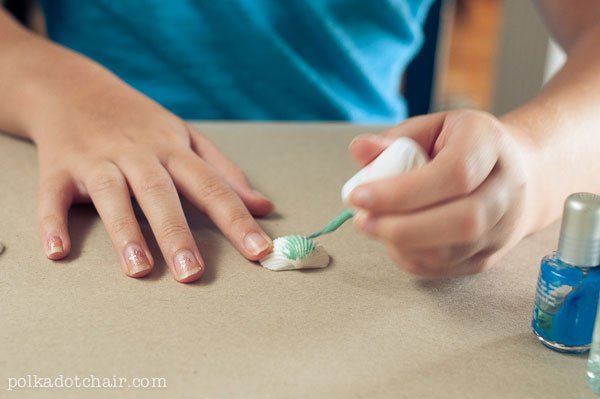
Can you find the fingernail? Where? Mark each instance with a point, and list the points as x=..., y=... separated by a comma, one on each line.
x=137, y=261
x=186, y=264
x=362, y=137
x=256, y=244
x=361, y=197
x=55, y=245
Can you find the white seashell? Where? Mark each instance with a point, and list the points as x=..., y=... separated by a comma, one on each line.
x=295, y=252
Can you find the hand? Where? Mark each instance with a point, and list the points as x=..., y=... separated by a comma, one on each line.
x=101, y=141
x=463, y=210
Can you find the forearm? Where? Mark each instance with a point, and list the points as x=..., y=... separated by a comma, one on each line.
x=40, y=80
x=26, y=60
x=561, y=127
x=16, y=46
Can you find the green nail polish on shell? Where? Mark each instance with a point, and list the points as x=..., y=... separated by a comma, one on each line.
x=298, y=247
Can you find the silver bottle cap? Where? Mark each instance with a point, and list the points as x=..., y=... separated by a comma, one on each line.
x=579, y=242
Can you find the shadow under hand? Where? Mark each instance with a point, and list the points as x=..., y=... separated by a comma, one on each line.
x=209, y=239
x=160, y=266
x=272, y=216
x=81, y=219
x=207, y=236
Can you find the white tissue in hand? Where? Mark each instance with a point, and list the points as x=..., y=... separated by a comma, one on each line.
x=295, y=252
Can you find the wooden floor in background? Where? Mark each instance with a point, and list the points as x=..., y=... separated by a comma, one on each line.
x=469, y=78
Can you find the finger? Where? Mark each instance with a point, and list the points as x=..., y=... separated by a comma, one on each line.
x=423, y=129
x=422, y=266
x=477, y=263
x=256, y=202
x=366, y=147
x=459, y=168
x=54, y=198
x=426, y=265
x=463, y=221
x=197, y=181
x=156, y=194
x=108, y=191
x=436, y=259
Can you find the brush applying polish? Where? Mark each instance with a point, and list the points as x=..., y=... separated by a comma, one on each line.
x=300, y=252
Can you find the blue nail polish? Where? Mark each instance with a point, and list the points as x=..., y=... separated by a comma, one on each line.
x=569, y=281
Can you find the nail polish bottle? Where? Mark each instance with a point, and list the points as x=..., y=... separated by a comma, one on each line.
x=569, y=281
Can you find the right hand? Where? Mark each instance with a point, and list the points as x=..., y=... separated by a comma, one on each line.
x=101, y=141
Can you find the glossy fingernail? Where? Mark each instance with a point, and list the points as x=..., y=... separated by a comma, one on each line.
x=55, y=246
x=256, y=244
x=137, y=261
x=361, y=197
x=186, y=264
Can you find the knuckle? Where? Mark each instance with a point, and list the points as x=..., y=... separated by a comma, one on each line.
x=472, y=117
x=420, y=268
x=213, y=189
x=239, y=217
x=171, y=153
x=174, y=138
x=461, y=178
x=521, y=183
x=487, y=117
x=432, y=259
x=155, y=182
x=174, y=230
x=480, y=265
x=472, y=223
x=103, y=182
x=408, y=263
x=121, y=225
x=471, y=114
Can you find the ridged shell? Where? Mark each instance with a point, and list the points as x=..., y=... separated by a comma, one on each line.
x=295, y=252
x=297, y=247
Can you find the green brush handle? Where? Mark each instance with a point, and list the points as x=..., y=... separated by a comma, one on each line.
x=335, y=223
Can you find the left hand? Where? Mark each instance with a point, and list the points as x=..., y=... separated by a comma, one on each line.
x=460, y=212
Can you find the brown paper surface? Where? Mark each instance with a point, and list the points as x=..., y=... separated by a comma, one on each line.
x=360, y=328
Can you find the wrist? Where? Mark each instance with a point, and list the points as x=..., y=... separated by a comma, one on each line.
x=48, y=83
x=28, y=85
x=529, y=153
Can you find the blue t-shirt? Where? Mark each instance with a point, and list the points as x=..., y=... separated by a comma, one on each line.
x=252, y=59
